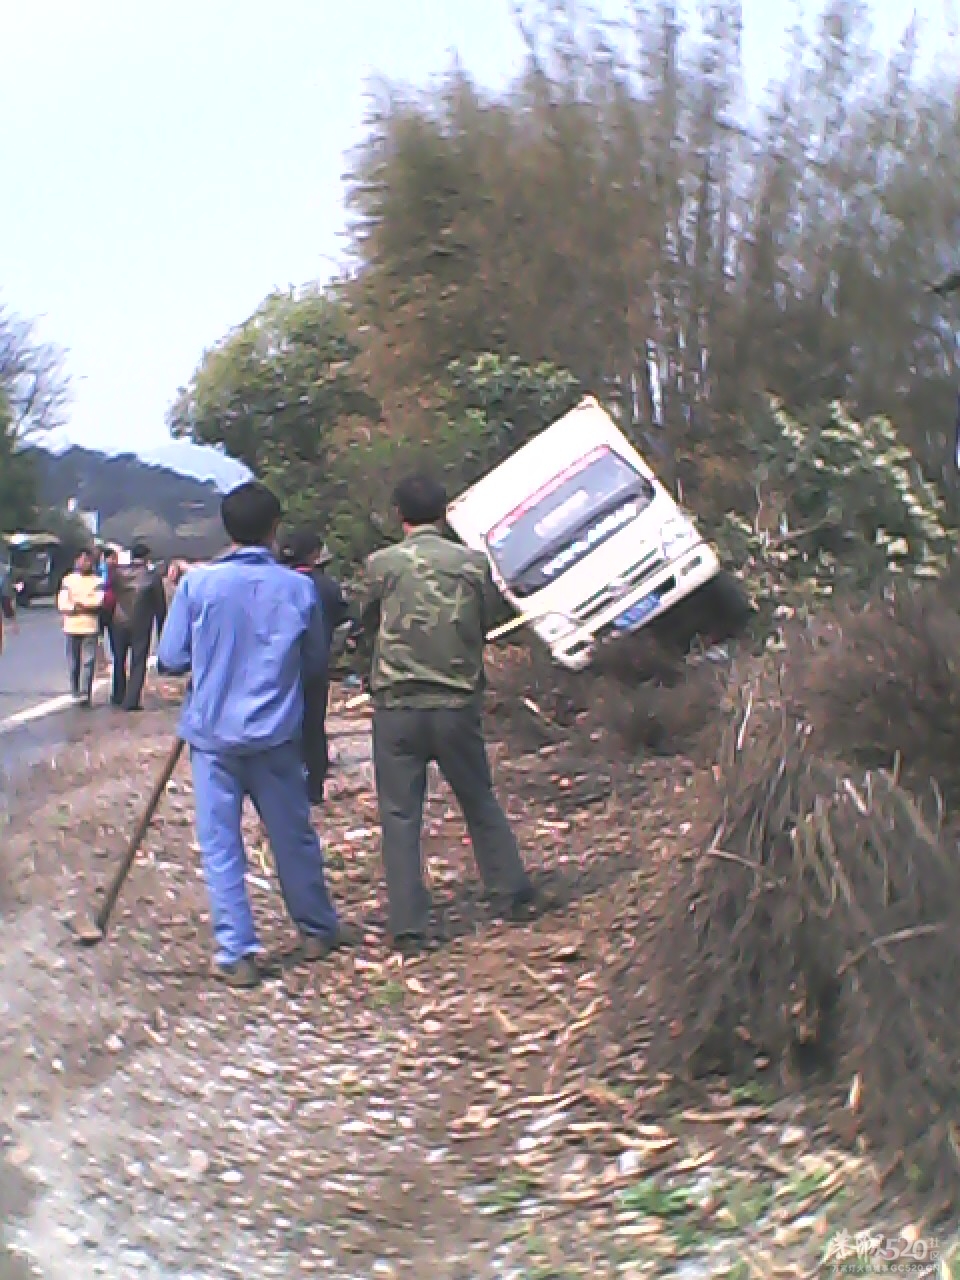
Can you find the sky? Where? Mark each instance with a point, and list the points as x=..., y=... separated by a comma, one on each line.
x=165, y=165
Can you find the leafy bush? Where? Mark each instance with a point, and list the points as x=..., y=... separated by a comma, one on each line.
x=840, y=504
x=497, y=403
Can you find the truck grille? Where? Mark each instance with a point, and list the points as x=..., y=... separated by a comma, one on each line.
x=650, y=563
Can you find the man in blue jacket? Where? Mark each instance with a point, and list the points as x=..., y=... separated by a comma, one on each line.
x=251, y=634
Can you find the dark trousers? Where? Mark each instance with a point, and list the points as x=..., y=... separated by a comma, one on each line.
x=404, y=743
x=81, y=661
x=131, y=647
x=316, y=752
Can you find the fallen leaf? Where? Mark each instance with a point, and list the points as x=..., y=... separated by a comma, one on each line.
x=855, y=1094
x=506, y=1025
x=792, y=1136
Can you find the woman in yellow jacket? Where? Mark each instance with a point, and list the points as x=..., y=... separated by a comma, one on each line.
x=80, y=600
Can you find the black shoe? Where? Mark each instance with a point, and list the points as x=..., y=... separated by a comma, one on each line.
x=412, y=944
x=243, y=974
x=524, y=905
x=317, y=946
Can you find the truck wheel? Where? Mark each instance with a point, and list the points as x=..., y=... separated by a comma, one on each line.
x=726, y=606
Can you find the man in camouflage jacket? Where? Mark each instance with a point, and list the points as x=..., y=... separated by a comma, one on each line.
x=426, y=603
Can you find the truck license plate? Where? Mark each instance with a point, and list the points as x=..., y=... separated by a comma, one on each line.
x=638, y=613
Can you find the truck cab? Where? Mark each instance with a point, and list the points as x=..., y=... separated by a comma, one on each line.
x=582, y=538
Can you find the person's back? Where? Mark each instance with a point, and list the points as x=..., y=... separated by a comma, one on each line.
x=332, y=600
x=140, y=598
x=139, y=602
x=248, y=618
x=8, y=610
x=6, y=591
x=434, y=598
x=303, y=553
x=249, y=633
x=427, y=602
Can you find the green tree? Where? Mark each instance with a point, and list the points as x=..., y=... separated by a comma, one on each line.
x=18, y=493
x=494, y=405
x=281, y=393
x=33, y=392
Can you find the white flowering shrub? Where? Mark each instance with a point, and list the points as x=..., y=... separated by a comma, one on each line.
x=840, y=503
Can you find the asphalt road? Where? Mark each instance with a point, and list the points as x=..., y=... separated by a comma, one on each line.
x=32, y=670
x=33, y=665
x=36, y=714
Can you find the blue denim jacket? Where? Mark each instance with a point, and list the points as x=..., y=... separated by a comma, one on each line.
x=249, y=632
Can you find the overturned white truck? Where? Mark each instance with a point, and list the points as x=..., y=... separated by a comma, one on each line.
x=584, y=541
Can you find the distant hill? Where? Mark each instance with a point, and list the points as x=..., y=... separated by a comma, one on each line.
x=177, y=514
x=199, y=461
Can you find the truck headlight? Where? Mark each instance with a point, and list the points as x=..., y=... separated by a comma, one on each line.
x=554, y=626
x=676, y=536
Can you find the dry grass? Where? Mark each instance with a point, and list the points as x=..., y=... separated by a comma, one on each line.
x=884, y=691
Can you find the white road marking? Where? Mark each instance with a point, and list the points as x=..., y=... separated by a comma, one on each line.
x=51, y=706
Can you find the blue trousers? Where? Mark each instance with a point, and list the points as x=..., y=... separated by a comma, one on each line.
x=275, y=783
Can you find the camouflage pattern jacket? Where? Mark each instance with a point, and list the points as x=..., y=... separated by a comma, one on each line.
x=426, y=604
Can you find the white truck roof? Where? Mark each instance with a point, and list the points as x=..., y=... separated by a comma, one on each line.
x=478, y=508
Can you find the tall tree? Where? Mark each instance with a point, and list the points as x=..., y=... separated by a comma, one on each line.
x=614, y=198
x=619, y=209
x=31, y=377
x=280, y=393
x=18, y=492
x=33, y=391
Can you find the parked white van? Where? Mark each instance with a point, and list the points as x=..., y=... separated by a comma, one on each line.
x=583, y=539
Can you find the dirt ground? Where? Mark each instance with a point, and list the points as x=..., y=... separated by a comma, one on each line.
x=469, y=1114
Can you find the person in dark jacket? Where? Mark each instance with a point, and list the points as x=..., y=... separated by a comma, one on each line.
x=8, y=608
x=139, y=602
x=305, y=552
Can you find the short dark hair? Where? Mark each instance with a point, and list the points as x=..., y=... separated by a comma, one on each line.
x=420, y=498
x=250, y=513
x=140, y=551
x=300, y=545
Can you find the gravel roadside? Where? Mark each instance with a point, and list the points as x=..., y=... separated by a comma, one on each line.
x=463, y=1116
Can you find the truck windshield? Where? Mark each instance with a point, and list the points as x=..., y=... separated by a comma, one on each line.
x=32, y=560
x=567, y=518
